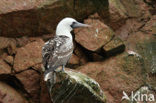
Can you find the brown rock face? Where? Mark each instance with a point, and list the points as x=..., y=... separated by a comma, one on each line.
x=31, y=80
x=115, y=46
x=9, y=59
x=10, y=95
x=4, y=67
x=28, y=55
x=94, y=37
x=123, y=60
x=38, y=17
x=150, y=26
x=6, y=42
x=117, y=74
x=74, y=60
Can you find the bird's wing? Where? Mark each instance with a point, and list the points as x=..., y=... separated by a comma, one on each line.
x=51, y=49
x=47, y=51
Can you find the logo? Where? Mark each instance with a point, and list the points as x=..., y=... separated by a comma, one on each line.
x=138, y=96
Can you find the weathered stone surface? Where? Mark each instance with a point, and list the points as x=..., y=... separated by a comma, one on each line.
x=72, y=87
x=117, y=14
x=4, y=67
x=73, y=62
x=6, y=42
x=120, y=11
x=74, y=59
x=37, y=17
x=31, y=81
x=9, y=59
x=130, y=26
x=28, y=55
x=128, y=8
x=116, y=45
x=150, y=26
x=94, y=37
x=10, y=95
x=117, y=74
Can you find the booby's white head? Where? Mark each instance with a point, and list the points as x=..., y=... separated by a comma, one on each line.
x=66, y=25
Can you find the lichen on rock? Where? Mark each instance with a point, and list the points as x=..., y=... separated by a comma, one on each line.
x=75, y=87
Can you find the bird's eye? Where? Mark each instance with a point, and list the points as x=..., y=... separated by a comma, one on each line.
x=73, y=23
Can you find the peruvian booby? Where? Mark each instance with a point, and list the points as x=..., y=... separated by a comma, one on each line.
x=57, y=51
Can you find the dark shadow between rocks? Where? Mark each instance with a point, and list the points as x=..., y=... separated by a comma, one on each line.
x=15, y=83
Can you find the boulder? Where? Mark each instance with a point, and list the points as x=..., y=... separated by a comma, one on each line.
x=4, y=67
x=28, y=55
x=9, y=60
x=74, y=87
x=120, y=11
x=37, y=17
x=94, y=37
x=6, y=42
x=130, y=26
x=10, y=95
x=117, y=74
x=31, y=82
x=74, y=59
x=73, y=62
x=113, y=47
x=150, y=26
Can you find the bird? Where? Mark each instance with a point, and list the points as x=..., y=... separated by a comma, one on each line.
x=57, y=51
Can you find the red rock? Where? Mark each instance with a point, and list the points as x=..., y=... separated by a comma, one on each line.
x=113, y=47
x=4, y=67
x=120, y=11
x=38, y=17
x=10, y=95
x=115, y=75
x=31, y=81
x=38, y=67
x=94, y=37
x=9, y=59
x=116, y=14
x=6, y=42
x=22, y=41
x=150, y=26
x=28, y=55
x=74, y=59
x=131, y=26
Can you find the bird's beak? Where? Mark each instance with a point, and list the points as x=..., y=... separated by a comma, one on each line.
x=77, y=25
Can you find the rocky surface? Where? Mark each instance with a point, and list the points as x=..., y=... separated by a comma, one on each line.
x=72, y=87
x=30, y=80
x=97, y=35
x=4, y=67
x=118, y=50
x=28, y=55
x=38, y=17
x=10, y=95
x=117, y=74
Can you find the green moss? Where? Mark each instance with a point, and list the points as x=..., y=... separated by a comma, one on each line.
x=71, y=86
